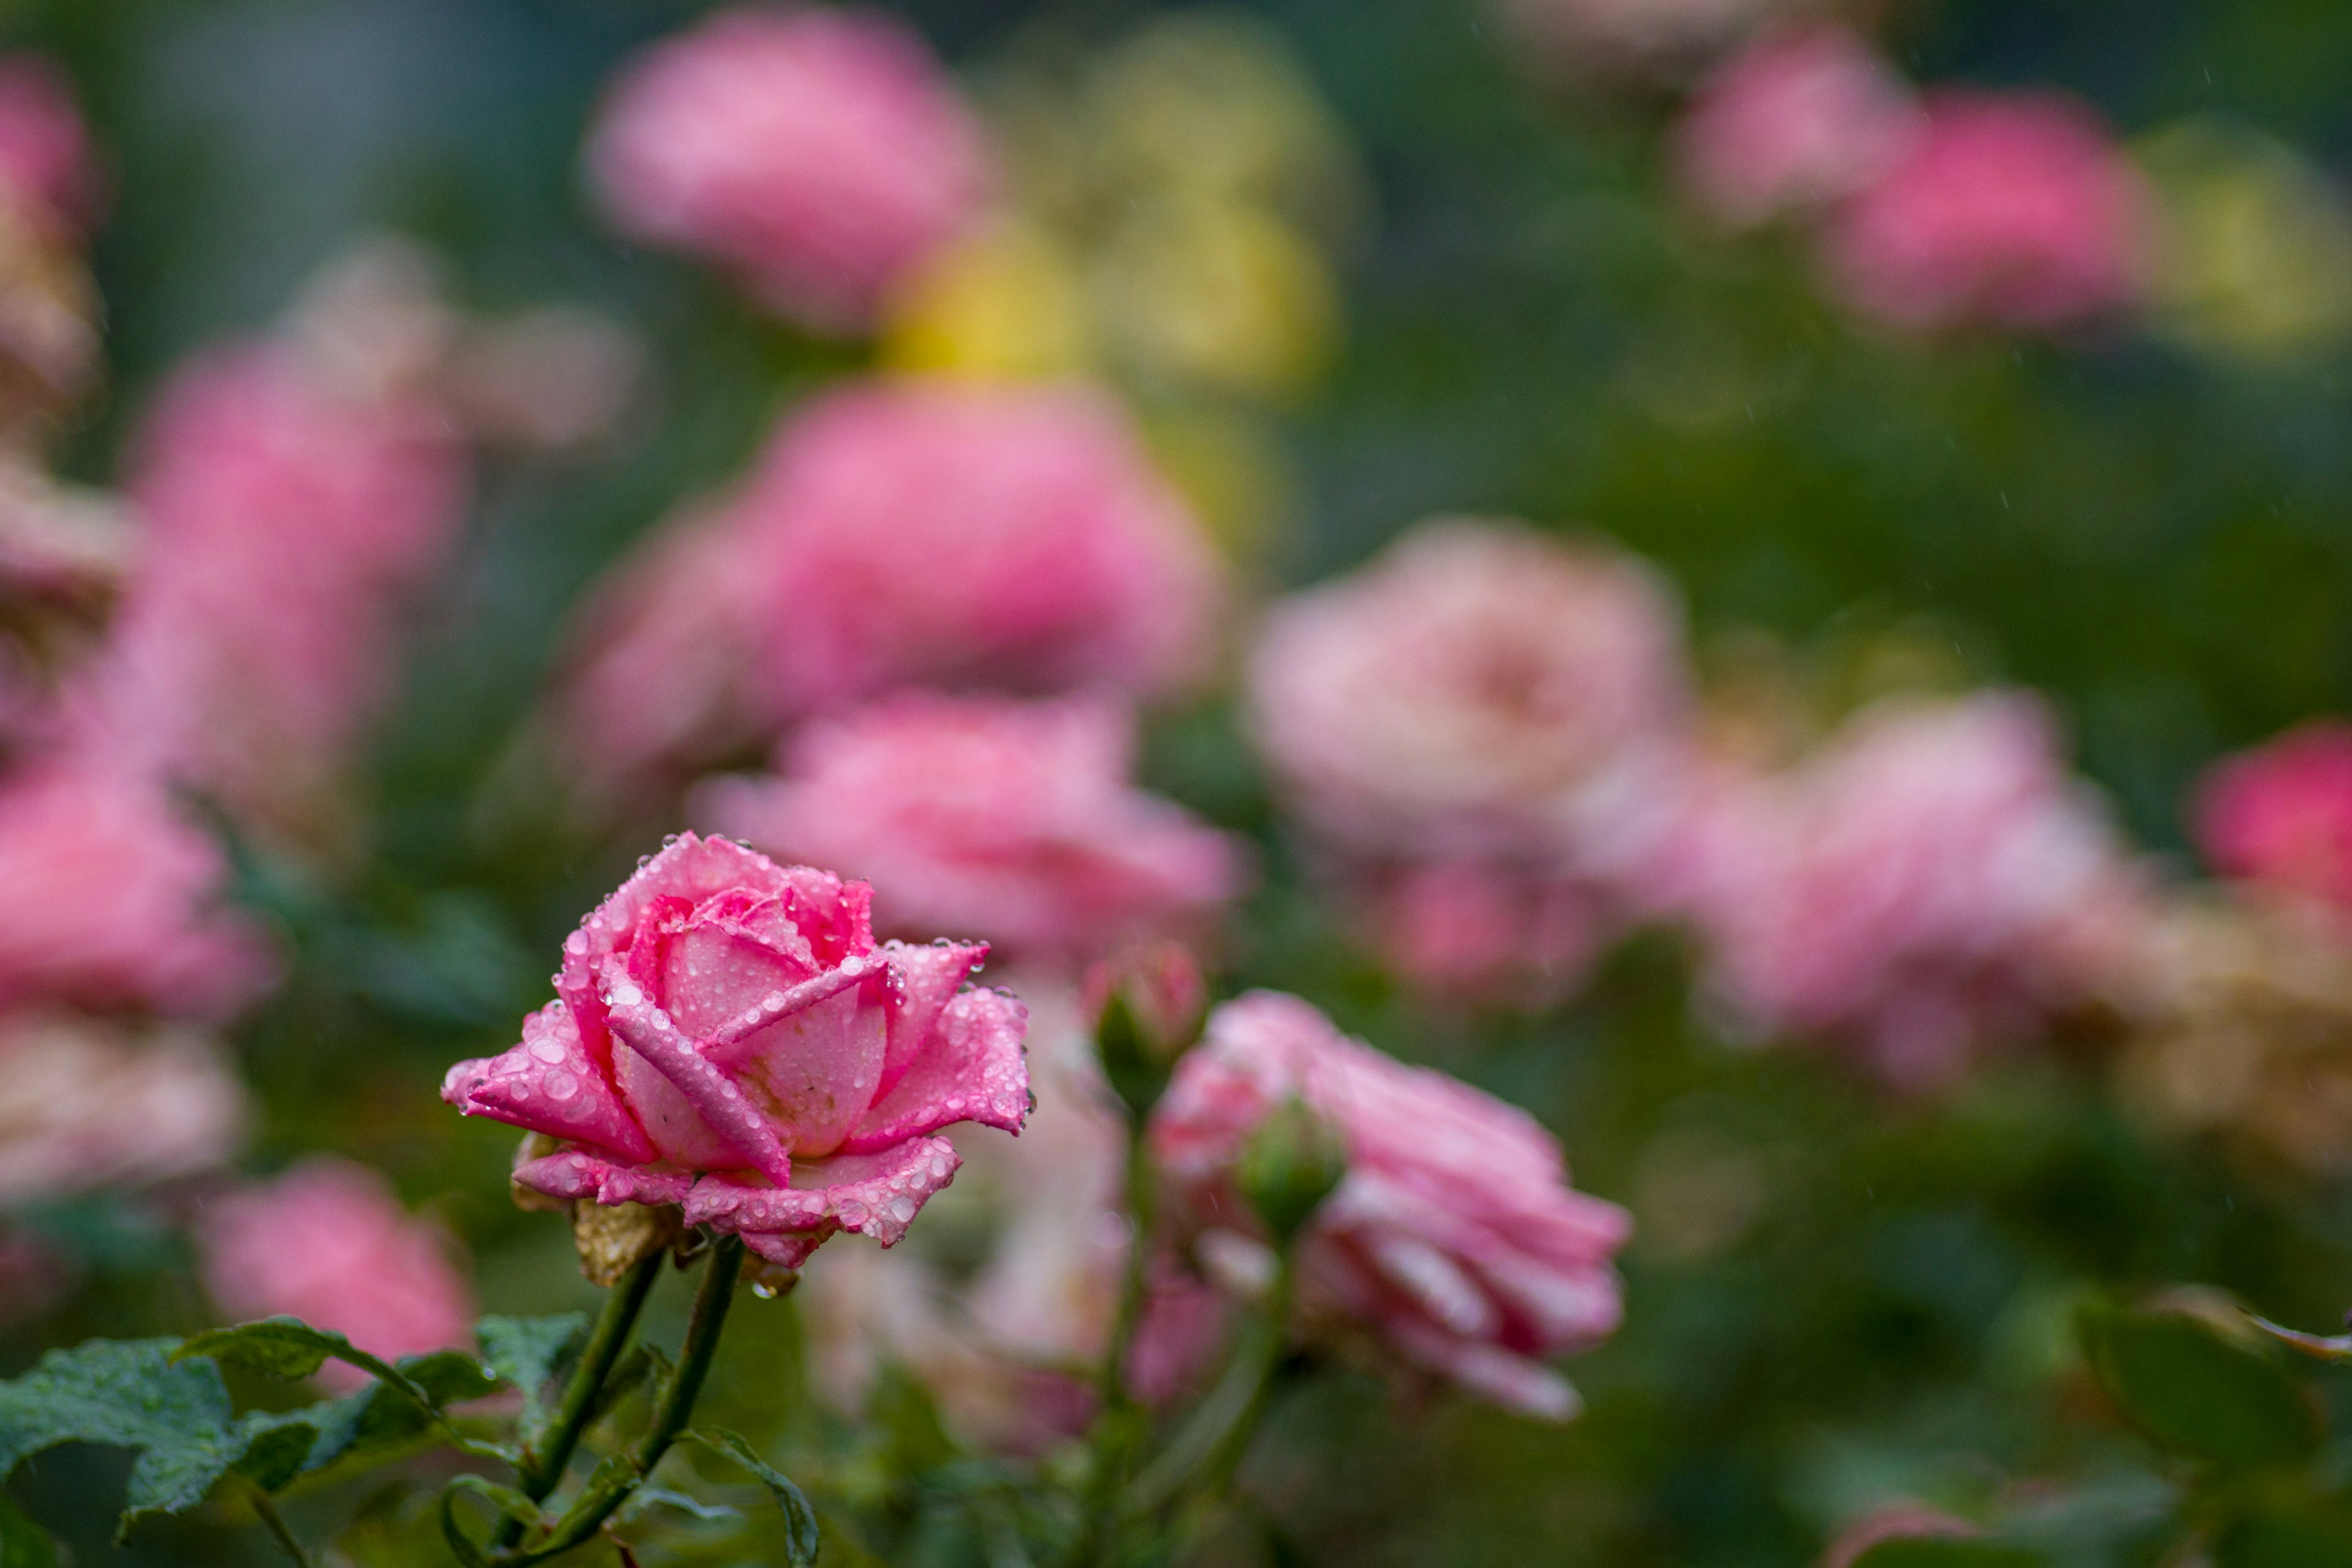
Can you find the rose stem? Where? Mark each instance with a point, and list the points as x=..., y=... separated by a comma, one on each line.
x=670, y=1415
x=269, y=1516
x=1113, y=1434
x=1210, y=1446
x=546, y=1452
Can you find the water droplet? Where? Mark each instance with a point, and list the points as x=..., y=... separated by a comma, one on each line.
x=560, y=1086
x=547, y=1050
x=762, y=1290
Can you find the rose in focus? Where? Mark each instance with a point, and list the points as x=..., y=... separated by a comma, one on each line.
x=1454, y=1236
x=729, y=1037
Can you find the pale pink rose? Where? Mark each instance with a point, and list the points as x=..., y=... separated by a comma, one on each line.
x=1014, y=821
x=728, y=1036
x=47, y=172
x=1475, y=931
x=2009, y=210
x=2280, y=815
x=900, y=533
x=284, y=522
x=1799, y=120
x=88, y=1103
x=1930, y=885
x=819, y=154
x=109, y=897
x=1454, y=1236
x=329, y=1243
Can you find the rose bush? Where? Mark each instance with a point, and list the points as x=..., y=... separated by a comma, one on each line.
x=727, y=1037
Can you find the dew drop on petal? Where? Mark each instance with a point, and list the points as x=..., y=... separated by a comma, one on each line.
x=560, y=1086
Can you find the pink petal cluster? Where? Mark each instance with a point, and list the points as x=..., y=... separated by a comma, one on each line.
x=820, y=154
x=1454, y=1236
x=284, y=520
x=1930, y=884
x=900, y=533
x=1510, y=710
x=1797, y=121
x=1014, y=821
x=728, y=1036
x=329, y=1243
x=47, y=173
x=2280, y=815
x=87, y=1103
x=109, y=897
x=2008, y=210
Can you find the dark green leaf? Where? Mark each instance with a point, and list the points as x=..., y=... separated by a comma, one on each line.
x=2308, y=1536
x=1932, y=1551
x=22, y=1543
x=799, y=1519
x=289, y=1348
x=530, y=1353
x=2190, y=1391
x=281, y=1347
x=510, y=1502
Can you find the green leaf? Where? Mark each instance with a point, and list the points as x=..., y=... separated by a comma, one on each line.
x=22, y=1543
x=530, y=1353
x=2192, y=1391
x=285, y=1348
x=2304, y=1535
x=645, y=1497
x=1944, y=1551
x=799, y=1519
x=289, y=1348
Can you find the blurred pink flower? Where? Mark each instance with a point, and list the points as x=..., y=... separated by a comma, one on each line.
x=1799, y=120
x=88, y=1103
x=1662, y=38
x=2280, y=814
x=2007, y=210
x=284, y=522
x=1931, y=884
x=820, y=154
x=1014, y=821
x=329, y=1243
x=1456, y=1237
x=1476, y=930
x=109, y=898
x=899, y=534
x=727, y=1037
x=47, y=173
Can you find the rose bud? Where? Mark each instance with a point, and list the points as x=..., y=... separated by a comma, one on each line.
x=1291, y=1164
x=728, y=1040
x=1148, y=1008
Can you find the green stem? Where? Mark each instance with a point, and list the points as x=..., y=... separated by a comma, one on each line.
x=1114, y=1434
x=548, y=1449
x=613, y=1483
x=275, y=1522
x=1204, y=1453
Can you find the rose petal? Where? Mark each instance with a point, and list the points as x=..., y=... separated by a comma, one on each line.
x=549, y=1084
x=652, y=1034
x=876, y=1195
x=972, y=1070
x=924, y=979
x=576, y=1174
x=812, y=1073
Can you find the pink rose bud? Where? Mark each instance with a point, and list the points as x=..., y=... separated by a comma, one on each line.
x=90, y=1103
x=1455, y=1235
x=1147, y=1007
x=329, y=1243
x=2008, y=210
x=1797, y=120
x=1929, y=886
x=819, y=154
x=899, y=534
x=2280, y=815
x=47, y=173
x=726, y=1037
x=1014, y=821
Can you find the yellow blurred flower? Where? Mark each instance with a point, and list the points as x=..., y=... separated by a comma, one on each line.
x=1005, y=303
x=1220, y=294
x=1237, y=477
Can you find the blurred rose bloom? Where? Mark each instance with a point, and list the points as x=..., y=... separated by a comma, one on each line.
x=1509, y=709
x=727, y=1037
x=2280, y=815
x=1014, y=821
x=284, y=521
x=329, y=1243
x=1650, y=37
x=2012, y=210
x=49, y=176
x=819, y=154
x=1798, y=121
x=49, y=194
x=1455, y=1237
x=1930, y=884
x=109, y=898
x=87, y=1103
x=899, y=534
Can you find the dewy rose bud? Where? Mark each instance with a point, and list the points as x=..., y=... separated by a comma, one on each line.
x=727, y=1037
x=1012, y=821
x=329, y=1243
x=1454, y=1234
x=2280, y=815
x=818, y=154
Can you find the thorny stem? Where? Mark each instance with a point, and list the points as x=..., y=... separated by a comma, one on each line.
x=268, y=1512
x=1114, y=1428
x=548, y=1450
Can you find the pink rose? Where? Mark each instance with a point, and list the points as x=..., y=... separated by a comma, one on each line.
x=2280, y=815
x=1477, y=931
x=1930, y=884
x=728, y=1036
x=46, y=172
x=87, y=1103
x=110, y=898
x=1454, y=1236
x=1013, y=820
x=900, y=533
x=1797, y=120
x=329, y=1243
x=819, y=154
x=284, y=523
x=2007, y=210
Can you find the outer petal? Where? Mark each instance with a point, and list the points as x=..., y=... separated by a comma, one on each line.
x=971, y=1070
x=577, y=1175
x=876, y=1194
x=549, y=1084
x=1514, y=1381
x=923, y=981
